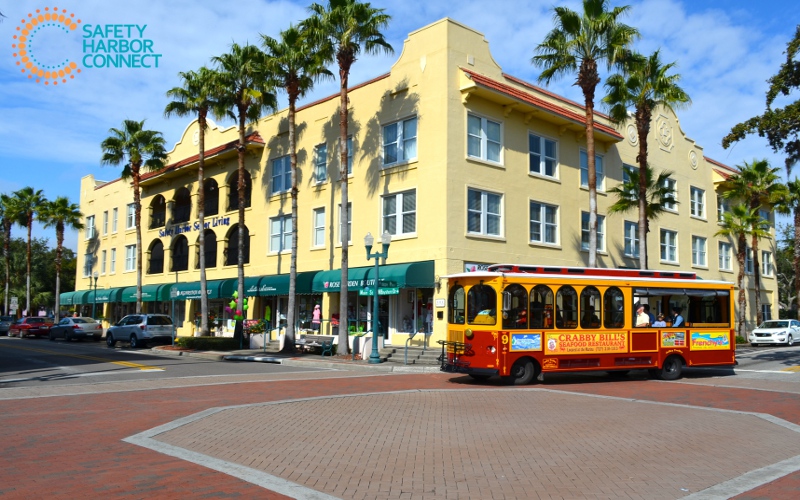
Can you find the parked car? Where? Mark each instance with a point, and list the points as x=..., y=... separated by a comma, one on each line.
x=138, y=329
x=32, y=325
x=776, y=331
x=5, y=324
x=77, y=328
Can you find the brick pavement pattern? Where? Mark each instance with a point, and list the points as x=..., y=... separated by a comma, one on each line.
x=67, y=442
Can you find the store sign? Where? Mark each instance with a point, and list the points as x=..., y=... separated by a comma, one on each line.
x=472, y=267
x=185, y=228
x=369, y=292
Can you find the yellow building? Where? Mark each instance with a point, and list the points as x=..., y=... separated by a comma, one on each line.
x=464, y=166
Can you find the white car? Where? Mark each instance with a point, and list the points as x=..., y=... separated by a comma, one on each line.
x=776, y=331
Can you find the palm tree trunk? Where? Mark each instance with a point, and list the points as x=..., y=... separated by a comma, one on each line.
x=643, y=129
x=344, y=72
x=6, y=246
x=137, y=213
x=240, y=258
x=201, y=215
x=740, y=256
x=288, y=345
x=795, y=262
x=59, y=251
x=757, y=279
x=28, y=277
x=587, y=81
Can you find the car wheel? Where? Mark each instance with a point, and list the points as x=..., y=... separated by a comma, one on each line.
x=110, y=342
x=789, y=340
x=134, y=341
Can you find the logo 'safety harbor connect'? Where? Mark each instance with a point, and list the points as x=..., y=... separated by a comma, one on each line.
x=26, y=45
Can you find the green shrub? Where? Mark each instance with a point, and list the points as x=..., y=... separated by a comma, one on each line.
x=740, y=340
x=208, y=343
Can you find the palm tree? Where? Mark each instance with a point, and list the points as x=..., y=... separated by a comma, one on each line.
x=737, y=224
x=342, y=29
x=658, y=195
x=791, y=204
x=28, y=202
x=644, y=86
x=244, y=93
x=197, y=96
x=7, y=218
x=758, y=186
x=576, y=45
x=61, y=214
x=295, y=64
x=137, y=148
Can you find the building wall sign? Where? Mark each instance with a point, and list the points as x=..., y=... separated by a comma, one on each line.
x=180, y=229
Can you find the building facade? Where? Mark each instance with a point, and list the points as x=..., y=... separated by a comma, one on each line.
x=461, y=163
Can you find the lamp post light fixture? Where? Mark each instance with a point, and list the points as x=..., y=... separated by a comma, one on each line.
x=386, y=239
x=94, y=302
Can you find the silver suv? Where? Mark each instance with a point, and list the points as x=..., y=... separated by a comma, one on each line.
x=138, y=329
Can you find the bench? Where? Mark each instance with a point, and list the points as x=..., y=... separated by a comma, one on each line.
x=324, y=342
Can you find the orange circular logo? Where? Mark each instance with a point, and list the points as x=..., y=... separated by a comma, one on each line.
x=31, y=44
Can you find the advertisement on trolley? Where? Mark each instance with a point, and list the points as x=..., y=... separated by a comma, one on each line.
x=586, y=343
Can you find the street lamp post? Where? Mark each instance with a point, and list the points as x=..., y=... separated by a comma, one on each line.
x=94, y=302
x=386, y=239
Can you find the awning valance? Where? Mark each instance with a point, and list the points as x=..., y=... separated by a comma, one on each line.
x=190, y=291
x=409, y=275
x=106, y=295
x=150, y=293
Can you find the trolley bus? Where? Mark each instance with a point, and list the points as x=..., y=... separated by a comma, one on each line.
x=518, y=321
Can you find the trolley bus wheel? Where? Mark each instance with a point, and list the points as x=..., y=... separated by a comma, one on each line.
x=670, y=370
x=523, y=371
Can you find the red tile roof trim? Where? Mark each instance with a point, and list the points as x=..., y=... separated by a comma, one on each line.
x=535, y=101
x=715, y=162
x=725, y=175
x=551, y=94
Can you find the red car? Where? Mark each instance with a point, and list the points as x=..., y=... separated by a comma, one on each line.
x=32, y=325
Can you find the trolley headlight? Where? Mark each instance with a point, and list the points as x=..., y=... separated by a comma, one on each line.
x=468, y=333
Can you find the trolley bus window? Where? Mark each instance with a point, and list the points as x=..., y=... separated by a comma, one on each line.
x=516, y=317
x=481, y=305
x=590, y=305
x=457, y=305
x=566, y=307
x=541, y=307
x=614, y=308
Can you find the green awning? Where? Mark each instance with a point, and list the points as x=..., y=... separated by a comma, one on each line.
x=410, y=275
x=268, y=286
x=150, y=293
x=65, y=299
x=231, y=285
x=191, y=291
x=107, y=295
x=82, y=297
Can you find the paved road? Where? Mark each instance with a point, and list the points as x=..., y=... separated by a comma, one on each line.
x=346, y=434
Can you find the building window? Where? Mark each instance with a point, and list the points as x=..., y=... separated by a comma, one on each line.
x=483, y=212
x=156, y=261
x=105, y=223
x=210, y=249
x=598, y=162
x=90, y=230
x=765, y=216
x=399, y=142
x=130, y=218
x=669, y=246
x=114, y=218
x=484, y=139
x=725, y=256
x=321, y=163
x=319, y=227
x=698, y=204
x=626, y=179
x=113, y=263
x=281, y=175
x=180, y=254
x=671, y=185
x=158, y=212
x=766, y=312
x=349, y=224
x=722, y=207
x=280, y=234
x=182, y=206
x=350, y=155
x=87, y=265
x=631, y=239
x=766, y=264
x=542, y=154
x=210, y=197
x=232, y=251
x=400, y=213
x=544, y=223
x=233, y=190
x=748, y=261
x=130, y=258
x=103, y=263
x=601, y=232
x=698, y=251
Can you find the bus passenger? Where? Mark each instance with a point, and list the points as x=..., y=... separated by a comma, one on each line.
x=660, y=323
x=677, y=319
x=642, y=319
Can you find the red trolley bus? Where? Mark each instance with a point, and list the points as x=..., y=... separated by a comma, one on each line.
x=518, y=321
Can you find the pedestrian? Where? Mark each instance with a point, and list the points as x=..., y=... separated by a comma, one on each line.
x=677, y=319
x=316, y=317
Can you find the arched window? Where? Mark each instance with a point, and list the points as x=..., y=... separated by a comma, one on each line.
x=211, y=197
x=158, y=212
x=541, y=307
x=456, y=305
x=590, y=307
x=156, y=263
x=210, y=250
x=233, y=190
x=566, y=307
x=232, y=250
x=614, y=308
x=481, y=305
x=180, y=254
x=182, y=206
x=516, y=318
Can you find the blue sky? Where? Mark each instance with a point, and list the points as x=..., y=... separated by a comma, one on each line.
x=50, y=135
